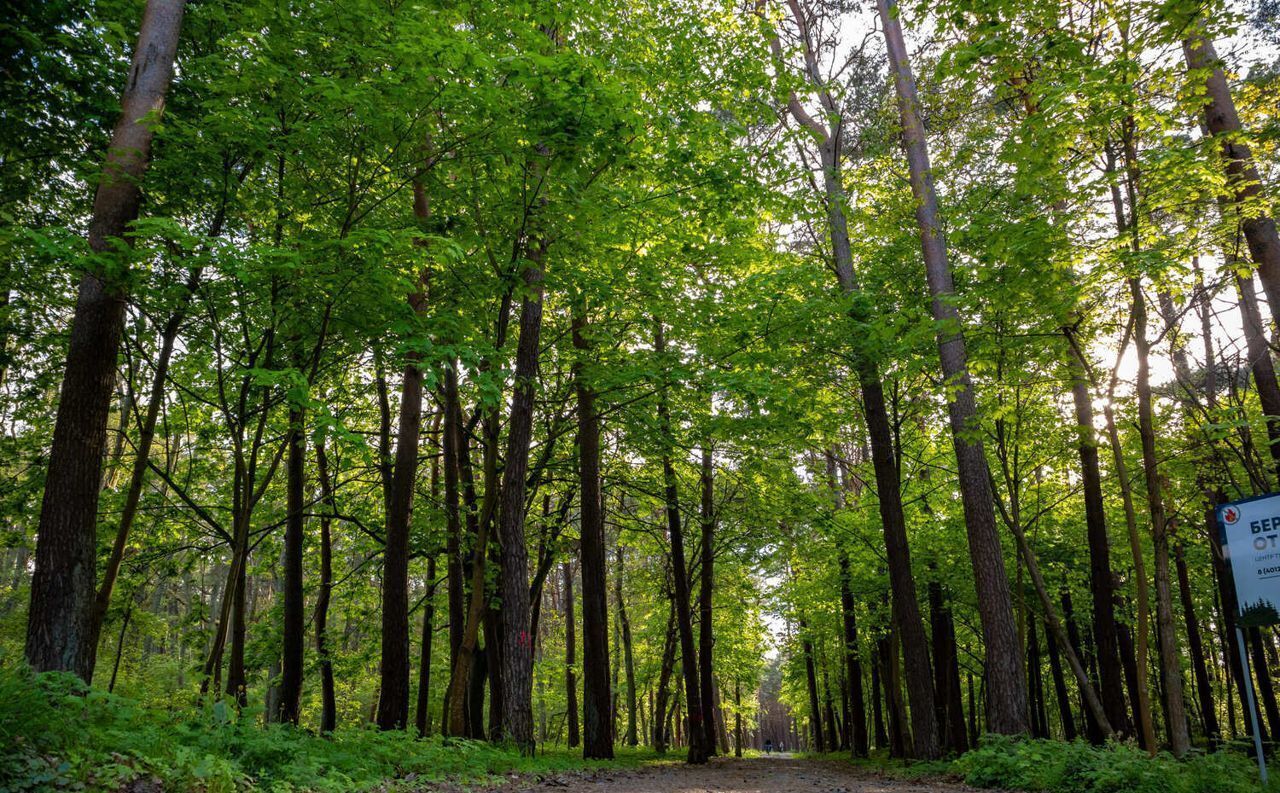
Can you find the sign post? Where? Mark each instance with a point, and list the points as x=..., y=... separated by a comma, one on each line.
x=1250, y=535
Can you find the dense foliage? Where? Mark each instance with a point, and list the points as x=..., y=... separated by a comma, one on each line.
x=603, y=374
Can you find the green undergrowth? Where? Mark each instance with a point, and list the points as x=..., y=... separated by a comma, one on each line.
x=1037, y=766
x=57, y=735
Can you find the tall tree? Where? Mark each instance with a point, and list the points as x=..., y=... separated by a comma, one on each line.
x=60, y=617
x=1006, y=687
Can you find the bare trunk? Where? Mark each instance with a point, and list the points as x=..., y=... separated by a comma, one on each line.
x=698, y=751
x=597, y=722
x=1244, y=183
x=1175, y=710
x=60, y=617
x=515, y=644
x=706, y=638
x=1007, y=692
x=328, y=705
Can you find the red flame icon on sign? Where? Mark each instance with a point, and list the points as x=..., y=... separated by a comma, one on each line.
x=1230, y=515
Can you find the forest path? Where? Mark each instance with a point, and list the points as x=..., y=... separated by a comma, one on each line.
x=774, y=774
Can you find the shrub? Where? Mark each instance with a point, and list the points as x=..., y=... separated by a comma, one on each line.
x=1057, y=767
x=56, y=733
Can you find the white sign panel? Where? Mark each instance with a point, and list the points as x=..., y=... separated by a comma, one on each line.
x=1251, y=544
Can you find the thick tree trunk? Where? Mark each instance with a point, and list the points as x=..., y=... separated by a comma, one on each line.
x=706, y=638
x=1175, y=710
x=516, y=646
x=452, y=449
x=570, y=659
x=597, y=721
x=294, y=609
x=698, y=751
x=328, y=702
x=1007, y=693
x=393, y=692
x=1223, y=123
x=60, y=617
x=1260, y=361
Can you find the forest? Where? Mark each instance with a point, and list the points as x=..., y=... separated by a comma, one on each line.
x=404, y=392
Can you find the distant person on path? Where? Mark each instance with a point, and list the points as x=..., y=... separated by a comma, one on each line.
x=768, y=747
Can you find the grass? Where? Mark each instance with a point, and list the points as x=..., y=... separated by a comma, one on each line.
x=57, y=735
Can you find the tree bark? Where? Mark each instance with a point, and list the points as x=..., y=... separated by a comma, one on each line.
x=1006, y=687
x=815, y=711
x=1060, y=687
x=515, y=644
x=1223, y=123
x=1175, y=710
x=597, y=722
x=1101, y=579
x=422, y=713
x=1208, y=714
x=1260, y=362
x=706, y=638
x=328, y=702
x=294, y=606
x=570, y=661
x=627, y=656
x=60, y=617
x=698, y=751
x=853, y=663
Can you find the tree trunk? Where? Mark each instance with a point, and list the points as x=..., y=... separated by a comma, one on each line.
x=1101, y=579
x=815, y=711
x=452, y=449
x=1060, y=687
x=698, y=751
x=422, y=713
x=515, y=645
x=1006, y=687
x=946, y=669
x=1142, y=704
x=1208, y=714
x=1175, y=710
x=1035, y=683
x=706, y=638
x=328, y=706
x=627, y=656
x=570, y=661
x=1223, y=123
x=393, y=696
x=597, y=723
x=1260, y=361
x=660, y=735
x=60, y=617
x=853, y=663
x=294, y=603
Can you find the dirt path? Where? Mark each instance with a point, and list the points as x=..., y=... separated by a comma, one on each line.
x=776, y=774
